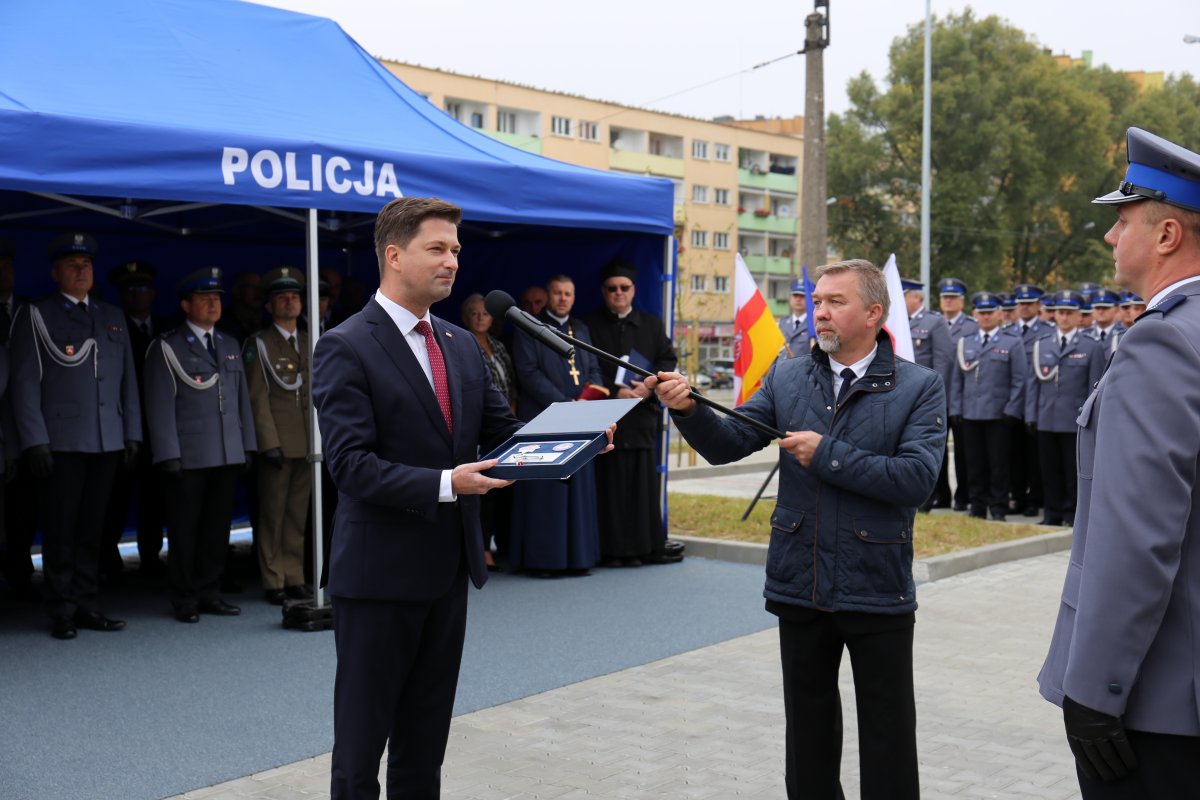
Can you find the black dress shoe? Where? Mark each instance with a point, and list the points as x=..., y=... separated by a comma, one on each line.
x=1030, y=511
x=998, y=516
x=960, y=506
x=977, y=513
x=666, y=557
x=298, y=592
x=218, y=607
x=63, y=628
x=1055, y=522
x=187, y=615
x=95, y=621
x=275, y=596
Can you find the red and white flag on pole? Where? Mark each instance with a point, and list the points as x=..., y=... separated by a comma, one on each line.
x=756, y=337
x=897, y=321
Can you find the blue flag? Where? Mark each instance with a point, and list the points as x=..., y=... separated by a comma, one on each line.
x=808, y=302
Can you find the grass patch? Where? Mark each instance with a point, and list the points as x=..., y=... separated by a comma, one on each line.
x=721, y=518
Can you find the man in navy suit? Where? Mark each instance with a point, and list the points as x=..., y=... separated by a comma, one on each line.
x=405, y=402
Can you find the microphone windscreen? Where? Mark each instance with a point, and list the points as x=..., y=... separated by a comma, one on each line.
x=498, y=303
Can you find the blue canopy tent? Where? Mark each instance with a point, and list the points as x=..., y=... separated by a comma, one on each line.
x=197, y=132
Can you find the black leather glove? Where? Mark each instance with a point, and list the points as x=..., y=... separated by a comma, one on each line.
x=171, y=466
x=274, y=457
x=249, y=465
x=132, y=449
x=1031, y=427
x=40, y=461
x=1098, y=742
x=956, y=419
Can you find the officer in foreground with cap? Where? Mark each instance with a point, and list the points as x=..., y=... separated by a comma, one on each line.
x=951, y=294
x=277, y=374
x=201, y=437
x=76, y=408
x=931, y=348
x=1066, y=365
x=1123, y=662
x=1025, y=474
x=987, y=391
x=794, y=326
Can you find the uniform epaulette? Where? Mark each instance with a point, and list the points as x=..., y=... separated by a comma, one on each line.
x=1166, y=305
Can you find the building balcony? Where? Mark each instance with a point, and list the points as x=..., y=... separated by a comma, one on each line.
x=769, y=180
x=530, y=144
x=779, y=308
x=645, y=163
x=774, y=265
x=749, y=221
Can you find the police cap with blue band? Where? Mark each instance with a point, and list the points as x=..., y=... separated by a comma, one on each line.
x=1027, y=292
x=202, y=281
x=1047, y=300
x=1007, y=301
x=1068, y=300
x=1128, y=298
x=909, y=285
x=952, y=287
x=985, y=301
x=72, y=244
x=1105, y=298
x=1158, y=170
x=798, y=287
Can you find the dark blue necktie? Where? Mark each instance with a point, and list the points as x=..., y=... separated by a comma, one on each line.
x=208, y=344
x=847, y=380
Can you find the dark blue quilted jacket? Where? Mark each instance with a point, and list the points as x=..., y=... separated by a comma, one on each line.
x=842, y=531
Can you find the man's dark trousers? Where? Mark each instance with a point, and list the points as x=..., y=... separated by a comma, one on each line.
x=880, y=646
x=1166, y=770
x=199, y=511
x=396, y=679
x=987, y=464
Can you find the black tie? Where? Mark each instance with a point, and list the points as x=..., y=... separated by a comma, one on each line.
x=1063, y=343
x=292, y=342
x=208, y=344
x=1103, y=335
x=82, y=306
x=144, y=329
x=847, y=380
x=795, y=324
x=1024, y=328
x=985, y=339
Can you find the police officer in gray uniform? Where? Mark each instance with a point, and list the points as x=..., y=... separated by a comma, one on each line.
x=951, y=297
x=1105, y=325
x=201, y=437
x=988, y=390
x=1066, y=365
x=794, y=326
x=76, y=409
x=1025, y=471
x=931, y=348
x=1123, y=661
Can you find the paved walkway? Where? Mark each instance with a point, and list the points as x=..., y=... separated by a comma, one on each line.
x=709, y=723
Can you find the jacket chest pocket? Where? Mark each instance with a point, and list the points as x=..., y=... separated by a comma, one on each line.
x=998, y=356
x=1085, y=442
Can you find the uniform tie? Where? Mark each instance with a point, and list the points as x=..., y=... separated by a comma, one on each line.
x=985, y=339
x=143, y=329
x=1103, y=335
x=208, y=345
x=82, y=306
x=795, y=324
x=1024, y=328
x=847, y=379
x=1063, y=343
x=438, y=367
x=292, y=342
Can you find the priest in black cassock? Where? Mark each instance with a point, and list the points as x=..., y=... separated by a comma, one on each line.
x=627, y=479
x=554, y=531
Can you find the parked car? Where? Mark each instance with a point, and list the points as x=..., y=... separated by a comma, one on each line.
x=699, y=381
x=720, y=371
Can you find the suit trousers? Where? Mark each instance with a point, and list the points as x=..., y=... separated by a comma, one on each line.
x=283, y=500
x=71, y=504
x=143, y=486
x=1057, y=451
x=987, y=462
x=962, y=466
x=881, y=656
x=199, y=512
x=941, y=491
x=397, y=672
x=1166, y=770
x=1024, y=474
x=20, y=528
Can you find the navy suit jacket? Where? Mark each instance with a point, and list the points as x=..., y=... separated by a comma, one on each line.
x=387, y=444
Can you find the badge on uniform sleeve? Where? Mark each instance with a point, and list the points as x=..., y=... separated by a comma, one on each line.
x=70, y=349
x=917, y=342
x=1045, y=370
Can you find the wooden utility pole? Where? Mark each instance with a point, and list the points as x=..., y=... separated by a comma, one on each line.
x=813, y=248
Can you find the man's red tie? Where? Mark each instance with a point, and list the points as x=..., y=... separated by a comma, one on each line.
x=437, y=366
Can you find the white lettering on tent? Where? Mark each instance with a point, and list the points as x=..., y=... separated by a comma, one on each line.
x=233, y=161
x=387, y=181
x=339, y=185
x=289, y=166
x=367, y=184
x=256, y=169
x=316, y=172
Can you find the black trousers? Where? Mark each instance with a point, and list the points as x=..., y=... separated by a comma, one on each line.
x=1023, y=469
x=1167, y=770
x=881, y=647
x=962, y=466
x=1057, y=451
x=987, y=457
x=199, y=510
x=143, y=485
x=71, y=504
x=20, y=528
x=397, y=672
x=941, y=490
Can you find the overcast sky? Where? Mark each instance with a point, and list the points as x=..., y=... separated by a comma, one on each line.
x=646, y=52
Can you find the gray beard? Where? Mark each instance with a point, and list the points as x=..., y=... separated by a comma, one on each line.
x=830, y=343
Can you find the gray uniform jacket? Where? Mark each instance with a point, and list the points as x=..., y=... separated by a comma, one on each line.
x=962, y=326
x=80, y=398
x=1125, y=641
x=993, y=384
x=1036, y=330
x=1061, y=380
x=795, y=340
x=931, y=344
x=203, y=427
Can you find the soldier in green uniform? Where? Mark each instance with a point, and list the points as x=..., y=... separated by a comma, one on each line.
x=277, y=375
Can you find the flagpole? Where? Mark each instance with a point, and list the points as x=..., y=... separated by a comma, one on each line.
x=926, y=125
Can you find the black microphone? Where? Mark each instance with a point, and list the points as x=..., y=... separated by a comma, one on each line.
x=500, y=304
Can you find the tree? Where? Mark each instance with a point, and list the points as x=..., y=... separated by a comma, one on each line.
x=1020, y=146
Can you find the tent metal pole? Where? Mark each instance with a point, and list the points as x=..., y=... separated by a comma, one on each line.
x=316, y=456
x=664, y=455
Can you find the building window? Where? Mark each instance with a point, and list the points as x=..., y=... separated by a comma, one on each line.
x=721, y=197
x=699, y=238
x=476, y=119
x=699, y=194
x=560, y=126
x=699, y=148
x=699, y=283
x=721, y=241
x=454, y=110
x=721, y=284
x=721, y=152
x=589, y=131
x=506, y=122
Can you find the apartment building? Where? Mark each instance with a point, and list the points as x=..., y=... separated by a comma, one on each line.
x=736, y=188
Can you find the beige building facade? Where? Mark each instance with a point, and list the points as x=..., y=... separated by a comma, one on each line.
x=736, y=189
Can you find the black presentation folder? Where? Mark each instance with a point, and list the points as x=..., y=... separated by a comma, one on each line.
x=559, y=441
